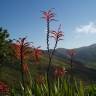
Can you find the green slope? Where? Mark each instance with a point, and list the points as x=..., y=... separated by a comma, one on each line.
x=85, y=55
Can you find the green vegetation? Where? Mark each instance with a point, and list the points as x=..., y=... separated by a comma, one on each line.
x=59, y=87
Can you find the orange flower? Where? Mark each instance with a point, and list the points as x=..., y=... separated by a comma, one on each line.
x=48, y=15
x=37, y=53
x=57, y=34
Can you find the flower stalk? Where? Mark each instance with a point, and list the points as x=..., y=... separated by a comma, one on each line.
x=49, y=16
x=22, y=54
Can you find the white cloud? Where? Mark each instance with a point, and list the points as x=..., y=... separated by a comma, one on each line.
x=89, y=28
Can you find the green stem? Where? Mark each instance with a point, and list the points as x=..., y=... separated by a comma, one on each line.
x=48, y=80
x=22, y=74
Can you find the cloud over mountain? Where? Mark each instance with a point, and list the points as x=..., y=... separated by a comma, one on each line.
x=88, y=28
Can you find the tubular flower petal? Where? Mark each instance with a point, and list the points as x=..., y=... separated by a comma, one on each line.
x=57, y=35
x=40, y=79
x=37, y=53
x=4, y=88
x=71, y=52
x=59, y=71
x=25, y=68
x=48, y=15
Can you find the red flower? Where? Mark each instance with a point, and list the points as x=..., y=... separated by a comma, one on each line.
x=21, y=47
x=59, y=71
x=71, y=52
x=17, y=51
x=25, y=68
x=48, y=15
x=57, y=34
x=37, y=53
x=4, y=88
x=39, y=79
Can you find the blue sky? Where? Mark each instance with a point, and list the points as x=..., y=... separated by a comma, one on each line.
x=77, y=17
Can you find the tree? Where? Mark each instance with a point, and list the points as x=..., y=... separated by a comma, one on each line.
x=5, y=51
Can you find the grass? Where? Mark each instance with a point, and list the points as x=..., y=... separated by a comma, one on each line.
x=60, y=87
x=64, y=86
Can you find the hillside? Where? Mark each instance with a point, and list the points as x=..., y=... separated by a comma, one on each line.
x=85, y=55
x=84, y=61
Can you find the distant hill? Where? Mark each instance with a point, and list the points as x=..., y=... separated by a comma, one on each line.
x=85, y=55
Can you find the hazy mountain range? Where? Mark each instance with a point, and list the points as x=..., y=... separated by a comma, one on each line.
x=85, y=55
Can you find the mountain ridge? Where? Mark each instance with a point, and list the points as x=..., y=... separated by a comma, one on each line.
x=85, y=55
